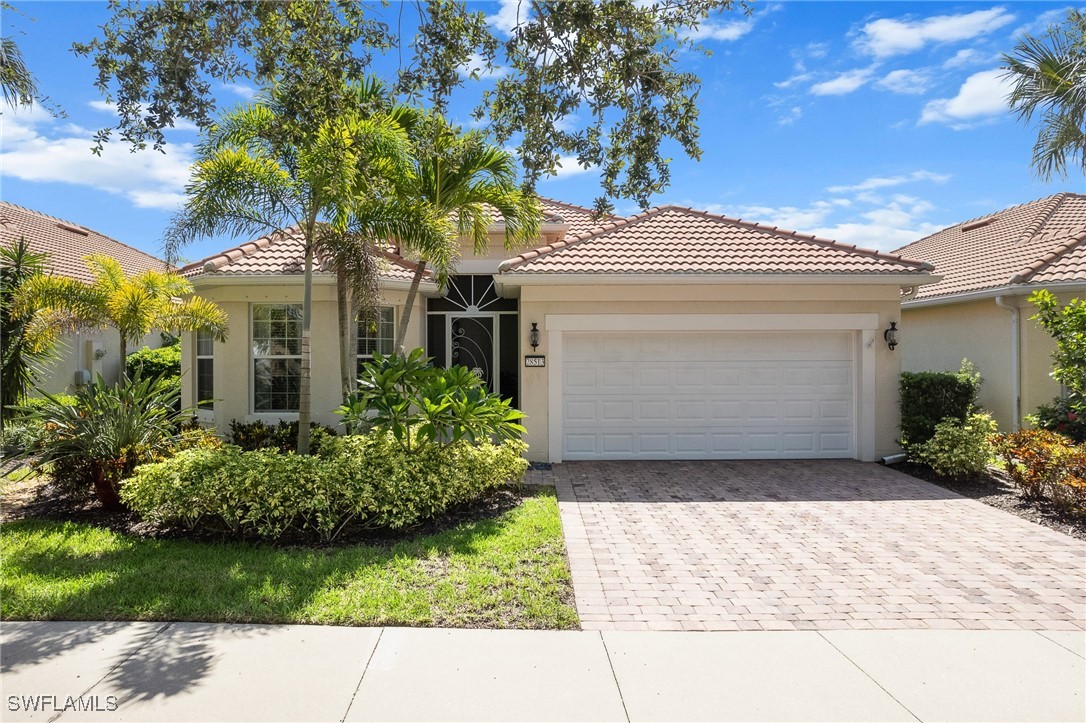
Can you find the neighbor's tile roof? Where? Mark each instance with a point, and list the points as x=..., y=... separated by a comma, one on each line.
x=1035, y=243
x=282, y=252
x=678, y=240
x=580, y=219
x=67, y=243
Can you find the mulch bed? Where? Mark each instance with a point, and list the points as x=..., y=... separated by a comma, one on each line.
x=42, y=499
x=997, y=490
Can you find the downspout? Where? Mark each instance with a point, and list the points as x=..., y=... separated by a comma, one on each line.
x=1016, y=376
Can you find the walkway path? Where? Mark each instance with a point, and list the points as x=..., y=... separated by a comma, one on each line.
x=201, y=672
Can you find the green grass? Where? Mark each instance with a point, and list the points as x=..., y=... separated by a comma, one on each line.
x=505, y=572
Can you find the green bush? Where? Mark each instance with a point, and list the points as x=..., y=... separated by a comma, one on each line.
x=147, y=362
x=98, y=436
x=251, y=436
x=928, y=398
x=1045, y=465
x=1063, y=416
x=367, y=479
x=20, y=437
x=417, y=403
x=958, y=449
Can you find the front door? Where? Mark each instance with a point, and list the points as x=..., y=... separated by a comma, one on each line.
x=471, y=344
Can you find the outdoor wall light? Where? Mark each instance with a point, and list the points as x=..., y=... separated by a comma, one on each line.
x=533, y=336
x=890, y=335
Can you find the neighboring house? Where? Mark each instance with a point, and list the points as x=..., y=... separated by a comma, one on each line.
x=989, y=266
x=67, y=244
x=674, y=334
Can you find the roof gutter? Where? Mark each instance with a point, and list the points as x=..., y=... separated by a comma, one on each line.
x=1016, y=376
x=903, y=280
x=1005, y=290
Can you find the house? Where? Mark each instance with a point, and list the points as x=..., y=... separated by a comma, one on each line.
x=989, y=266
x=66, y=245
x=673, y=334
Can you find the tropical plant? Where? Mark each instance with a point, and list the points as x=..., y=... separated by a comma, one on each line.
x=928, y=398
x=1065, y=415
x=133, y=306
x=17, y=84
x=98, y=438
x=261, y=170
x=18, y=353
x=416, y=403
x=462, y=178
x=1066, y=324
x=1048, y=77
x=958, y=449
x=1045, y=465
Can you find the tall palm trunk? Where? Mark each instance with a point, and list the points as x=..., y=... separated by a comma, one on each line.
x=124, y=358
x=345, y=309
x=304, y=383
x=409, y=306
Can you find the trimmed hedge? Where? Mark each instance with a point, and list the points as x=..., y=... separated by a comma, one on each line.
x=927, y=398
x=366, y=479
x=958, y=449
x=148, y=362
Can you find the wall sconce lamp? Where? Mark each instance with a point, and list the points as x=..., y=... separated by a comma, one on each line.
x=890, y=335
x=533, y=335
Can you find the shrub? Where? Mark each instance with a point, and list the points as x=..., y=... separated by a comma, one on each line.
x=370, y=479
x=100, y=435
x=20, y=437
x=147, y=362
x=928, y=398
x=1045, y=465
x=958, y=449
x=1063, y=416
x=251, y=436
x=417, y=403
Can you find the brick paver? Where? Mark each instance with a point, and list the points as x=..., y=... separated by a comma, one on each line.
x=804, y=545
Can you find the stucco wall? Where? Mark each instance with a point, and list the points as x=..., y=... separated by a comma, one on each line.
x=232, y=358
x=937, y=338
x=73, y=353
x=539, y=301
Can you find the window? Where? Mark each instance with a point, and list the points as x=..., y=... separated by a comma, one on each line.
x=377, y=335
x=205, y=370
x=277, y=357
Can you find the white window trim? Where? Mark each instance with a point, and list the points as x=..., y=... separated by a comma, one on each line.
x=265, y=415
x=202, y=413
x=395, y=323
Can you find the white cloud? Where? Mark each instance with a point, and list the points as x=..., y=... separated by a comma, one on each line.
x=477, y=64
x=793, y=80
x=961, y=58
x=568, y=166
x=510, y=14
x=725, y=32
x=246, y=92
x=886, y=37
x=102, y=105
x=34, y=149
x=910, y=82
x=875, y=235
x=179, y=124
x=844, y=83
x=877, y=182
x=791, y=116
x=981, y=96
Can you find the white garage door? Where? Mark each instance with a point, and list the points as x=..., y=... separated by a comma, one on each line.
x=722, y=395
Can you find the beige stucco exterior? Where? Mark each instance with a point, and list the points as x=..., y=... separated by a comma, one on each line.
x=97, y=352
x=538, y=303
x=936, y=337
x=233, y=382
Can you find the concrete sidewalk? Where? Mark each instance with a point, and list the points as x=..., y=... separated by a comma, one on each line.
x=202, y=672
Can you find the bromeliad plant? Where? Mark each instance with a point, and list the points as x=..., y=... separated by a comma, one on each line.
x=99, y=437
x=418, y=404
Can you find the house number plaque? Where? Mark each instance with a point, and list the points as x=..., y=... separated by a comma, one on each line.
x=535, y=360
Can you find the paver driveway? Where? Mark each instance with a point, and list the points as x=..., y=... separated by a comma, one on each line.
x=804, y=545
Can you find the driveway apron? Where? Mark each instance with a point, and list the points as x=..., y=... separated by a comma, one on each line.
x=804, y=545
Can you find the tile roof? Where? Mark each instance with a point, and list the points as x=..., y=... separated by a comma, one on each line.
x=67, y=243
x=678, y=240
x=580, y=219
x=283, y=252
x=1038, y=242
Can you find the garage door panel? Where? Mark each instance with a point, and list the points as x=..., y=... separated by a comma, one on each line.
x=704, y=396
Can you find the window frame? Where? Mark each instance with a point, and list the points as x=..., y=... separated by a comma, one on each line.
x=381, y=310
x=253, y=358
x=209, y=407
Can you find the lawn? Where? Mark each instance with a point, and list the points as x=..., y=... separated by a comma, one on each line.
x=508, y=571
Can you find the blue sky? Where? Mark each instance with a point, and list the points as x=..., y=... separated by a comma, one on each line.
x=870, y=123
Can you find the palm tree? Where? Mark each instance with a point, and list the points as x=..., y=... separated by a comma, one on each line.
x=460, y=178
x=257, y=172
x=134, y=306
x=18, y=353
x=1048, y=76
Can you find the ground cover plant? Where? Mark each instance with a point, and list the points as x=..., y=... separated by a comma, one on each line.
x=505, y=568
